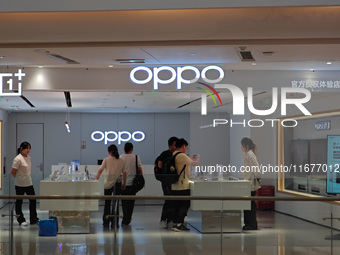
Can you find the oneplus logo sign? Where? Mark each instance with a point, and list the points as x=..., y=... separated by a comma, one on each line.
x=10, y=84
x=176, y=74
x=238, y=100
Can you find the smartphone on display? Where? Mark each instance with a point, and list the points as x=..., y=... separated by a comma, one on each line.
x=194, y=156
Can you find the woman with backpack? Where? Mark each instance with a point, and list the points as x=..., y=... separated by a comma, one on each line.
x=181, y=187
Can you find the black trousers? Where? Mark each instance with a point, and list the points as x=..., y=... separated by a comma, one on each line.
x=115, y=190
x=128, y=205
x=32, y=204
x=166, y=210
x=250, y=215
x=180, y=207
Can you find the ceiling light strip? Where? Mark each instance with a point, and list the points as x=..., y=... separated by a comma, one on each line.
x=27, y=101
x=68, y=98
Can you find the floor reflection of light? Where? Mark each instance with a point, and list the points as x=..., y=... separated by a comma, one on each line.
x=60, y=247
x=281, y=244
x=279, y=234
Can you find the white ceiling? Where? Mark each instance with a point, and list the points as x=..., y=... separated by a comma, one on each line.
x=300, y=38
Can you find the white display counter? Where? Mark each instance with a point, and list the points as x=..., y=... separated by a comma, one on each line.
x=152, y=186
x=69, y=188
x=215, y=216
x=73, y=215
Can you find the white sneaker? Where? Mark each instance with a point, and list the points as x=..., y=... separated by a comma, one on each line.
x=169, y=224
x=163, y=224
x=24, y=224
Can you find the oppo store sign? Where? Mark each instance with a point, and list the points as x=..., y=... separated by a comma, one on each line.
x=121, y=136
x=175, y=74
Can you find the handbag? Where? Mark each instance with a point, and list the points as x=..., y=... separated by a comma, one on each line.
x=138, y=181
x=48, y=227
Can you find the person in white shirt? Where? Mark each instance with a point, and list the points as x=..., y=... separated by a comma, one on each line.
x=253, y=175
x=131, y=160
x=114, y=168
x=21, y=170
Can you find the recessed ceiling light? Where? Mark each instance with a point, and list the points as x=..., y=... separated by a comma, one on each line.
x=2, y=56
x=329, y=63
x=110, y=66
x=268, y=53
x=41, y=67
x=130, y=61
x=253, y=64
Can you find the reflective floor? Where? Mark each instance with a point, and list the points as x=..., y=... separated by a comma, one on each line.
x=278, y=234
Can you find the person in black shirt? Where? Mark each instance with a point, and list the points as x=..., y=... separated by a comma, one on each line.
x=166, y=216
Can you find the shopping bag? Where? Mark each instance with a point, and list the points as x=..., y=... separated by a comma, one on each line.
x=48, y=227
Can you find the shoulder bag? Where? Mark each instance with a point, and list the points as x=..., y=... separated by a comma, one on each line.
x=138, y=181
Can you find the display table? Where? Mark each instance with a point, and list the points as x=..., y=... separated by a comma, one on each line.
x=216, y=216
x=73, y=215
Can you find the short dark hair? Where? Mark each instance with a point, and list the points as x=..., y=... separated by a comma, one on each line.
x=128, y=147
x=172, y=140
x=181, y=142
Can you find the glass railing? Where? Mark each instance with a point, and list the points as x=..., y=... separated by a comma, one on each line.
x=286, y=224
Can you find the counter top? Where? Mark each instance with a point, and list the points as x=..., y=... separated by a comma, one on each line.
x=62, y=181
x=225, y=188
x=76, y=188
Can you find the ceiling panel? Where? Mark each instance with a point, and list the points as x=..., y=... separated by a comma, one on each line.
x=300, y=38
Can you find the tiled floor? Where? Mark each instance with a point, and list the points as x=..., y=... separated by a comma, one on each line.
x=279, y=234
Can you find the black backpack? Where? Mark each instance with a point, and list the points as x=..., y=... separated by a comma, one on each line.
x=159, y=175
x=169, y=171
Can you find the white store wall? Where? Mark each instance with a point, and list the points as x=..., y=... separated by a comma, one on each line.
x=62, y=147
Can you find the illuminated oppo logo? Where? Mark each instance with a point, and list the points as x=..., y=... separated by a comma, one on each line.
x=121, y=136
x=176, y=74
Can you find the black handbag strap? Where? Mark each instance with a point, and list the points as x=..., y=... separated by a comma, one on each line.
x=136, y=165
x=183, y=166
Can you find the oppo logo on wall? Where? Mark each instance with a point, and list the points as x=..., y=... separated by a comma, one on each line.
x=175, y=73
x=120, y=136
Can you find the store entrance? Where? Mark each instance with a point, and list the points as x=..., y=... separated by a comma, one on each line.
x=34, y=134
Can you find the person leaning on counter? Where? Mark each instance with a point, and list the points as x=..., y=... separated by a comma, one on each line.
x=113, y=184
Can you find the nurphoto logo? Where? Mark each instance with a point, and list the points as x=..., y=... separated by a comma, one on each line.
x=239, y=103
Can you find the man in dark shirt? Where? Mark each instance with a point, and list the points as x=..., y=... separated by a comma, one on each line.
x=166, y=216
